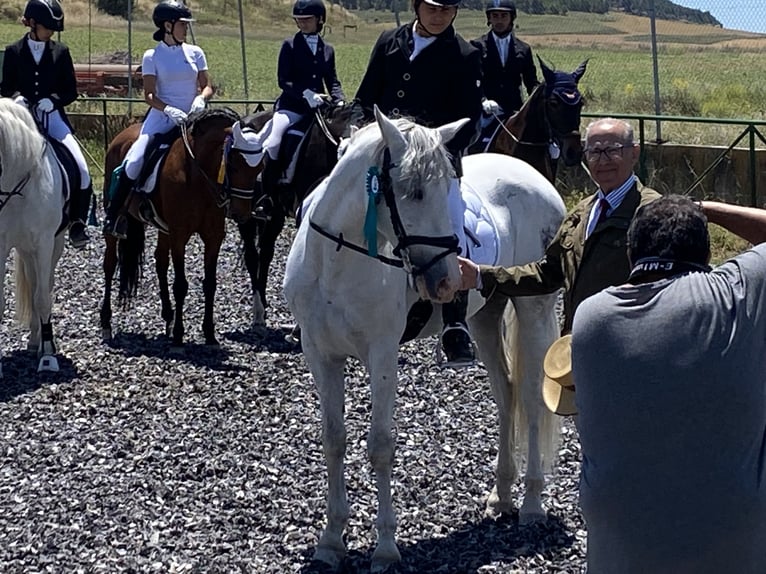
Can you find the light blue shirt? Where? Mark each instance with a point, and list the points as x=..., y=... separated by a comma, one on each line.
x=614, y=198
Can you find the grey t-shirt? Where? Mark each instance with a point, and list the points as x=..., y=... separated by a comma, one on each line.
x=671, y=392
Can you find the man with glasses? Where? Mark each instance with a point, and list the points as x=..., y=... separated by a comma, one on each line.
x=589, y=252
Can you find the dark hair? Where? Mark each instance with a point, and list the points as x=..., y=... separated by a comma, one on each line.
x=671, y=227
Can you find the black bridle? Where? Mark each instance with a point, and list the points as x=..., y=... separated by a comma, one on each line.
x=222, y=189
x=449, y=243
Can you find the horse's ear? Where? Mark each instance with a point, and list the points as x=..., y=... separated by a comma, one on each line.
x=580, y=71
x=448, y=131
x=548, y=74
x=394, y=139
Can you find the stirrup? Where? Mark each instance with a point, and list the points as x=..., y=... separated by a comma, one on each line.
x=148, y=214
x=465, y=357
x=263, y=208
x=117, y=228
x=78, y=237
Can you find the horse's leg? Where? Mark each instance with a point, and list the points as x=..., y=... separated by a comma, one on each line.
x=248, y=232
x=487, y=329
x=330, y=383
x=536, y=328
x=266, y=243
x=161, y=265
x=109, y=267
x=209, y=285
x=38, y=270
x=380, y=449
x=180, y=289
x=4, y=250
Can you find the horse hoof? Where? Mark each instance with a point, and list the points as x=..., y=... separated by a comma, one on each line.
x=384, y=557
x=49, y=364
x=106, y=334
x=332, y=557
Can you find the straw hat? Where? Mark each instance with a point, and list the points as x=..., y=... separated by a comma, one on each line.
x=558, y=385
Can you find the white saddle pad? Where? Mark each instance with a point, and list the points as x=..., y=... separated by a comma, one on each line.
x=481, y=231
x=150, y=183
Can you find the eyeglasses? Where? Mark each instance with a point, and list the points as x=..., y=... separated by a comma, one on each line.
x=611, y=152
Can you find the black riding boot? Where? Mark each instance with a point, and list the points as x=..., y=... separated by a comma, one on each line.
x=456, y=340
x=115, y=223
x=79, y=205
x=265, y=205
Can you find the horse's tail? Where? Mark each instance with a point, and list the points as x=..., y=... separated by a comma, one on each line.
x=131, y=260
x=549, y=424
x=24, y=294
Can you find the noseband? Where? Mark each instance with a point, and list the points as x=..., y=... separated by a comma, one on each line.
x=449, y=243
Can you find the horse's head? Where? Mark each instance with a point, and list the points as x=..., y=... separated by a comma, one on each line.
x=414, y=180
x=225, y=156
x=563, y=105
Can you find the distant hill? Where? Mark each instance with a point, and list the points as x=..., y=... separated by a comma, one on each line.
x=664, y=9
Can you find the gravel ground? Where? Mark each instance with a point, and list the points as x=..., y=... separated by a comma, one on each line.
x=131, y=459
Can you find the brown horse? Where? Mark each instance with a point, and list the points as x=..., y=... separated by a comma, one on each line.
x=548, y=120
x=318, y=156
x=203, y=179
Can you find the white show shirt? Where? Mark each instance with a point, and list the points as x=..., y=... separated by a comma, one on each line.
x=503, y=45
x=176, y=69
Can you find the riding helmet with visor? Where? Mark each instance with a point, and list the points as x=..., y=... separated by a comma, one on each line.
x=501, y=6
x=47, y=13
x=169, y=11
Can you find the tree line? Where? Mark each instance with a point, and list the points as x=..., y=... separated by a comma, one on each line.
x=663, y=9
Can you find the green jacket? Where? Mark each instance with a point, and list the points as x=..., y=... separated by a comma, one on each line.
x=582, y=267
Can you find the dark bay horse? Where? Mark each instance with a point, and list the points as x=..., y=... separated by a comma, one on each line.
x=548, y=120
x=203, y=179
x=318, y=156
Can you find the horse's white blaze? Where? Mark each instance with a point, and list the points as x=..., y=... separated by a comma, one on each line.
x=348, y=304
x=28, y=222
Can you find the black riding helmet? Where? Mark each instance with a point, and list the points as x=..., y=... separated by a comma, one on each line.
x=169, y=11
x=501, y=6
x=47, y=13
x=446, y=3
x=304, y=8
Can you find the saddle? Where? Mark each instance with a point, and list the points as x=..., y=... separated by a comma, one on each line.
x=70, y=176
x=140, y=204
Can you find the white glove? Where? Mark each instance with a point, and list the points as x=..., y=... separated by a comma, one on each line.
x=314, y=100
x=491, y=108
x=21, y=100
x=178, y=116
x=198, y=104
x=45, y=105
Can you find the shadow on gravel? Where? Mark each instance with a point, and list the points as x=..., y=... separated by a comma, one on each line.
x=465, y=551
x=20, y=374
x=274, y=341
x=139, y=345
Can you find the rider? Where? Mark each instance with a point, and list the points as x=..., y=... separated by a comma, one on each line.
x=425, y=70
x=506, y=63
x=176, y=83
x=39, y=74
x=306, y=67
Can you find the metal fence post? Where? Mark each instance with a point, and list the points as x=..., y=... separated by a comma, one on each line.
x=642, y=151
x=753, y=183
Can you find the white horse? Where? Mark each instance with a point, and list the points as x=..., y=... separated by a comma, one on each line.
x=31, y=210
x=350, y=304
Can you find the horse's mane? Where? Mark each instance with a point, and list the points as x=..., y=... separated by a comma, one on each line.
x=197, y=119
x=19, y=138
x=426, y=157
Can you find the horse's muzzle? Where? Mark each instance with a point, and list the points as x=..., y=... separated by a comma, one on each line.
x=571, y=149
x=439, y=284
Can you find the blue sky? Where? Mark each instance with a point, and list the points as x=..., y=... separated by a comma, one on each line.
x=734, y=14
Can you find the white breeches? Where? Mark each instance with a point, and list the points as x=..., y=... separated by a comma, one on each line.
x=456, y=207
x=156, y=122
x=59, y=131
x=270, y=136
